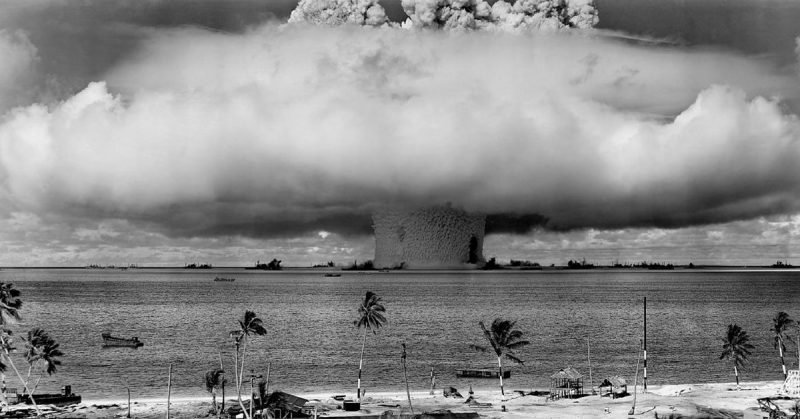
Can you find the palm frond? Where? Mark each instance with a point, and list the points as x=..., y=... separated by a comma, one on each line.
x=514, y=358
x=479, y=348
x=371, y=313
x=214, y=379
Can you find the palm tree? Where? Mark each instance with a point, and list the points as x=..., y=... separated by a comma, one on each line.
x=504, y=340
x=780, y=324
x=41, y=350
x=10, y=304
x=370, y=317
x=249, y=325
x=736, y=348
x=215, y=380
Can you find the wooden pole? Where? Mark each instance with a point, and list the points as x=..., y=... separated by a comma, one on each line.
x=252, y=377
x=433, y=380
x=589, y=358
x=644, y=371
x=266, y=388
x=129, y=402
x=169, y=387
x=635, y=378
x=405, y=375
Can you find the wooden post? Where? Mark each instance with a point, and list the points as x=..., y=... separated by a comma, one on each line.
x=129, y=402
x=169, y=387
x=635, y=378
x=405, y=375
x=589, y=358
x=644, y=370
x=266, y=387
x=252, y=377
x=433, y=381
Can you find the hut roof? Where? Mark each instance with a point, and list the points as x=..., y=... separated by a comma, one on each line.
x=285, y=400
x=615, y=381
x=567, y=373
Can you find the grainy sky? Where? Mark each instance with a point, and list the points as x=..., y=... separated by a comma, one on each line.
x=169, y=132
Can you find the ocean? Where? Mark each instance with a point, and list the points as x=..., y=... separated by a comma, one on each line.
x=184, y=317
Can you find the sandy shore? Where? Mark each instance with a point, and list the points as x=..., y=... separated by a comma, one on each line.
x=689, y=400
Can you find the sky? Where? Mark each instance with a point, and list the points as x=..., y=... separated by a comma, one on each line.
x=161, y=133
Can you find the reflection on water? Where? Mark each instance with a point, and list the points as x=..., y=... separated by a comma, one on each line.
x=184, y=317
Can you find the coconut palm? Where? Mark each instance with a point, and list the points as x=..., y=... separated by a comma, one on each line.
x=215, y=380
x=780, y=325
x=10, y=304
x=41, y=352
x=736, y=348
x=504, y=340
x=249, y=325
x=370, y=317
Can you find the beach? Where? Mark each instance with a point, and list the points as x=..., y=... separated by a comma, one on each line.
x=717, y=400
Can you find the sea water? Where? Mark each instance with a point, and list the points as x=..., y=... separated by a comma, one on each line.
x=571, y=318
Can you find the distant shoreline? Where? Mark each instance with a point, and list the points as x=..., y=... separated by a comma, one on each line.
x=446, y=270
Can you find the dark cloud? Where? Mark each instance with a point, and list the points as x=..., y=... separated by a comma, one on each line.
x=514, y=223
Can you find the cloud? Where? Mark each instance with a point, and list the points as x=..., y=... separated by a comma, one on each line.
x=501, y=15
x=338, y=12
x=290, y=129
x=17, y=67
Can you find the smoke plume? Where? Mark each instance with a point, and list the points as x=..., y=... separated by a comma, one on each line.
x=285, y=129
x=338, y=12
x=521, y=15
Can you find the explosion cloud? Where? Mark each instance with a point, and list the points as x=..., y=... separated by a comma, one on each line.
x=286, y=129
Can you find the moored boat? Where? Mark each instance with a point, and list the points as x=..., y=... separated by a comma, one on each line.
x=109, y=341
x=220, y=279
x=482, y=373
x=65, y=398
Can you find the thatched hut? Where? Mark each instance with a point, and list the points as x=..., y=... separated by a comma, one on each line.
x=567, y=382
x=614, y=386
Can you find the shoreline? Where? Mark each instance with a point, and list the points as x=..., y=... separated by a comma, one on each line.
x=678, y=400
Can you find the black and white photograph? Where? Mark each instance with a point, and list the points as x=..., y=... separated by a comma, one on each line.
x=415, y=209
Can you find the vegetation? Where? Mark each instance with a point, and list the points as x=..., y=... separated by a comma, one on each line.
x=574, y=264
x=370, y=317
x=215, y=379
x=491, y=265
x=504, y=340
x=196, y=266
x=250, y=325
x=273, y=265
x=736, y=348
x=524, y=263
x=366, y=266
x=780, y=324
x=41, y=352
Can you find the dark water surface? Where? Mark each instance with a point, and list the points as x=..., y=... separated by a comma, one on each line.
x=184, y=317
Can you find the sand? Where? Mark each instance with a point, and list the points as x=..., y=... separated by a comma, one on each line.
x=688, y=400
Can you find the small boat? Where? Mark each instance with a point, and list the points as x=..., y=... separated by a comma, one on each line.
x=219, y=279
x=65, y=398
x=482, y=373
x=331, y=275
x=109, y=341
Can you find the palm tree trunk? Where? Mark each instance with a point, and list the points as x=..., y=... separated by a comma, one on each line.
x=405, y=375
x=222, y=408
x=236, y=378
x=16, y=371
x=361, y=364
x=500, y=364
x=214, y=399
x=241, y=380
x=169, y=388
x=736, y=372
x=783, y=363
